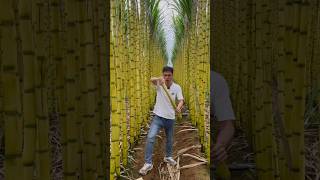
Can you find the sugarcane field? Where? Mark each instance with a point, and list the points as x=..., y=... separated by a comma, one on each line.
x=139, y=53
x=160, y=89
x=267, y=51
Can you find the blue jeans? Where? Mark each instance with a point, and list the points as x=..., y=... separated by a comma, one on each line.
x=157, y=123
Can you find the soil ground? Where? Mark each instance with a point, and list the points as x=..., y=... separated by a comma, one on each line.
x=182, y=140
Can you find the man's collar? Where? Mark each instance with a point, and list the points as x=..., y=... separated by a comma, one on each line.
x=170, y=85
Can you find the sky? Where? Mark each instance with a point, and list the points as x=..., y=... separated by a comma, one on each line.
x=168, y=12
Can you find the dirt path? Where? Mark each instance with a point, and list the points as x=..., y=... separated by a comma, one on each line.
x=182, y=139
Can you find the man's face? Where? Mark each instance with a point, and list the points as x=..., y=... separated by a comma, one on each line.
x=167, y=75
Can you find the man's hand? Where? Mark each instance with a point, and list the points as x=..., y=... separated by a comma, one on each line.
x=161, y=81
x=219, y=153
x=226, y=131
x=178, y=109
x=179, y=106
x=157, y=80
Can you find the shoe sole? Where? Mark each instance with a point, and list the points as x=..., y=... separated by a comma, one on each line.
x=166, y=161
x=146, y=171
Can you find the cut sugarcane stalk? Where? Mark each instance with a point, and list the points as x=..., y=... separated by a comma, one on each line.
x=171, y=101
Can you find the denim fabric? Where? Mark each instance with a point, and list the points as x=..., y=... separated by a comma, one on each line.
x=158, y=123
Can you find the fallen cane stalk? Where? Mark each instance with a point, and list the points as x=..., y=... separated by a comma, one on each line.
x=185, y=127
x=195, y=157
x=187, y=130
x=160, y=174
x=126, y=177
x=132, y=159
x=178, y=167
x=192, y=165
x=171, y=173
x=181, y=151
x=159, y=137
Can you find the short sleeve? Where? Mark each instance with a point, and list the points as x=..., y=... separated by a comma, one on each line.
x=179, y=94
x=220, y=98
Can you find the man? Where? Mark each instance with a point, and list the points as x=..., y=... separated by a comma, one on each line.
x=222, y=115
x=164, y=116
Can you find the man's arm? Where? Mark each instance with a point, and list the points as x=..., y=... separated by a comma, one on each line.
x=225, y=135
x=179, y=106
x=226, y=131
x=180, y=100
x=223, y=111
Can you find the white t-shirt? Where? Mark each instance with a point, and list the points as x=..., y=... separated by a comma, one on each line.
x=163, y=107
x=221, y=107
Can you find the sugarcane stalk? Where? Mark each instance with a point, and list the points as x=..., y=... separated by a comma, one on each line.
x=171, y=101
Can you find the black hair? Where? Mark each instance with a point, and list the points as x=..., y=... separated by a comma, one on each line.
x=167, y=68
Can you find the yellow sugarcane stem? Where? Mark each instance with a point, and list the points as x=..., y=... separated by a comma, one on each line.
x=171, y=101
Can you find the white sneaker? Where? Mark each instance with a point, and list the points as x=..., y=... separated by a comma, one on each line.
x=170, y=160
x=146, y=167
